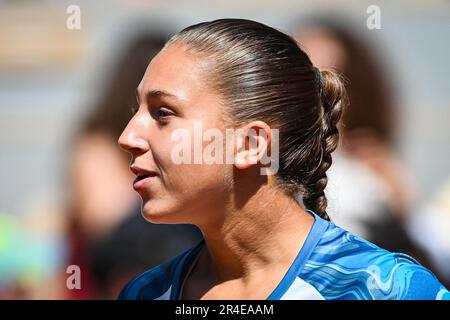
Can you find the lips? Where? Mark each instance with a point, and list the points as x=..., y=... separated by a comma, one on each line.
x=143, y=176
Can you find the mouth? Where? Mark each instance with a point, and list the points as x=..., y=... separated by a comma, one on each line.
x=142, y=180
x=143, y=177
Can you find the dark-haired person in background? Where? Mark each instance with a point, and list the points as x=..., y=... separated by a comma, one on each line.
x=366, y=163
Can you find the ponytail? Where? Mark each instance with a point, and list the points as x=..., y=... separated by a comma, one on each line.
x=332, y=99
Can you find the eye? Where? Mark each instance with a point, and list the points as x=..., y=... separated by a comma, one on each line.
x=162, y=114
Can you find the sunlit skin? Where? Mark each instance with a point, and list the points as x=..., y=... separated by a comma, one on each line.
x=253, y=230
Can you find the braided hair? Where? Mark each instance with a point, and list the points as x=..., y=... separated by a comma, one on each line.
x=332, y=94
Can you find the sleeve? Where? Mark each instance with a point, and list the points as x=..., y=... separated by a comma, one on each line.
x=416, y=282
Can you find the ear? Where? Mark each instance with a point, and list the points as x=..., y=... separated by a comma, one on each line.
x=252, y=144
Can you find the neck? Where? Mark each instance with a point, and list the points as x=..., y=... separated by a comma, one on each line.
x=248, y=238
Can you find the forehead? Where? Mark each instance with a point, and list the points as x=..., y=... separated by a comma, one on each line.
x=174, y=70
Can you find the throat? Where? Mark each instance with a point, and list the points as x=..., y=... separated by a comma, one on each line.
x=220, y=271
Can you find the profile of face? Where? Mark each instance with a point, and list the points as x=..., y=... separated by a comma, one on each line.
x=173, y=95
x=230, y=75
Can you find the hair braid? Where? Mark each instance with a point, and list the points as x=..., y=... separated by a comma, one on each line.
x=332, y=99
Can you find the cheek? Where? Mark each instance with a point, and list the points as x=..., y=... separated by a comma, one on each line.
x=200, y=178
x=189, y=178
x=189, y=194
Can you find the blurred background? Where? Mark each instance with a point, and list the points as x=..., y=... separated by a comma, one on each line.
x=68, y=73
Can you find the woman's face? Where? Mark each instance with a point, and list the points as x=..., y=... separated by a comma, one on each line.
x=173, y=96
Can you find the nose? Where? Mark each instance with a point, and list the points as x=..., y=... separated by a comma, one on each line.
x=132, y=139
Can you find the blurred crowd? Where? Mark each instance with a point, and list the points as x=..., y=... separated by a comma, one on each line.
x=371, y=192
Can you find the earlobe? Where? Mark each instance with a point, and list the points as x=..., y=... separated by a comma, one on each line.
x=241, y=154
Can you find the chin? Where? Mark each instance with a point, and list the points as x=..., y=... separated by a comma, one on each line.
x=158, y=215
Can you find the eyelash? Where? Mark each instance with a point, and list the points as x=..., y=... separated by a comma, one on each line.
x=165, y=112
x=157, y=113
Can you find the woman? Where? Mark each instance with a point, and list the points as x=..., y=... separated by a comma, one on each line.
x=259, y=242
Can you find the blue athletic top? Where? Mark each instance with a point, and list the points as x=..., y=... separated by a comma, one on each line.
x=332, y=264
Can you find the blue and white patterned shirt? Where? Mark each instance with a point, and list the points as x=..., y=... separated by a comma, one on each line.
x=332, y=264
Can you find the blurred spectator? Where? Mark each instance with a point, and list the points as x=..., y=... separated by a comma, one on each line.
x=369, y=190
x=110, y=240
x=430, y=225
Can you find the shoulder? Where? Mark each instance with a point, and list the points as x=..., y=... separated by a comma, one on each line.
x=345, y=266
x=415, y=282
x=156, y=283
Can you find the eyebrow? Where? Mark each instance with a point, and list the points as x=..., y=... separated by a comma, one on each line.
x=156, y=94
